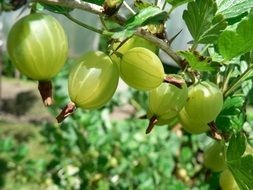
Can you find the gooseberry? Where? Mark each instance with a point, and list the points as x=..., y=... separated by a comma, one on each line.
x=167, y=100
x=205, y=101
x=227, y=181
x=38, y=47
x=92, y=82
x=133, y=42
x=214, y=156
x=191, y=125
x=140, y=68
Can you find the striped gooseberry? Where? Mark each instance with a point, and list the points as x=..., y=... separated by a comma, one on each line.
x=204, y=103
x=133, y=42
x=92, y=82
x=38, y=47
x=142, y=69
x=165, y=101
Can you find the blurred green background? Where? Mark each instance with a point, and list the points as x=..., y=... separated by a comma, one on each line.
x=99, y=149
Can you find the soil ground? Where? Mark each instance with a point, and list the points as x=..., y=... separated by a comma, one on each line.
x=21, y=102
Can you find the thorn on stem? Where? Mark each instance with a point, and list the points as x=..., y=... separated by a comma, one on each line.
x=66, y=111
x=174, y=37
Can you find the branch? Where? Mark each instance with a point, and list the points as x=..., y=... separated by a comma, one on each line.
x=162, y=45
x=98, y=10
x=238, y=81
x=78, y=4
x=83, y=24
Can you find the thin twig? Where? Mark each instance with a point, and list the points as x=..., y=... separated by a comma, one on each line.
x=78, y=4
x=129, y=8
x=194, y=46
x=174, y=81
x=98, y=10
x=164, y=5
x=226, y=80
x=83, y=24
x=162, y=45
x=103, y=22
x=92, y=8
x=237, y=82
x=170, y=11
x=156, y=2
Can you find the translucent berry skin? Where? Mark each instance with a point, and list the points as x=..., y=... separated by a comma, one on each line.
x=191, y=125
x=133, y=42
x=167, y=100
x=227, y=181
x=38, y=46
x=93, y=80
x=205, y=101
x=141, y=69
x=214, y=156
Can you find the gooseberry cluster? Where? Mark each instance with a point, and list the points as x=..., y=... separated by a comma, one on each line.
x=37, y=45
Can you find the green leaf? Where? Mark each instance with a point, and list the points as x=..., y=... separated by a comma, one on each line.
x=122, y=35
x=231, y=103
x=6, y=144
x=196, y=61
x=231, y=117
x=98, y=2
x=176, y=3
x=56, y=8
x=233, y=8
x=233, y=43
x=204, y=26
x=146, y=16
x=236, y=148
x=242, y=171
x=21, y=152
x=185, y=155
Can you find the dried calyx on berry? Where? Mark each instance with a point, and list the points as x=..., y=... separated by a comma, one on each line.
x=112, y=6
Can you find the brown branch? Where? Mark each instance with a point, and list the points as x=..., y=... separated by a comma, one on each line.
x=78, y=4
x=174, y=81
x=162, y=45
